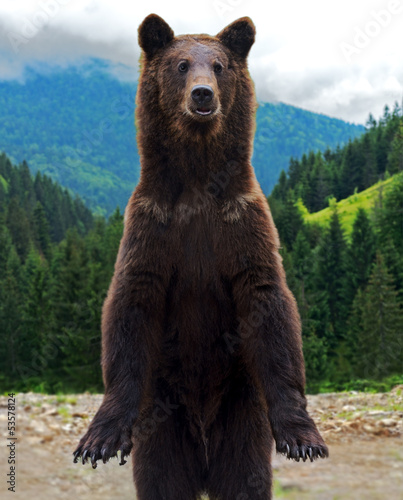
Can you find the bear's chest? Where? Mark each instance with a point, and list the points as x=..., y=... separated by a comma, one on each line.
x=197, y=234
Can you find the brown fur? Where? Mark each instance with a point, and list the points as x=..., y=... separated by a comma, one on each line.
x=202, y=357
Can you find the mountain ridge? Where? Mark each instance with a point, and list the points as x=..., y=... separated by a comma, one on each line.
x=81, y=132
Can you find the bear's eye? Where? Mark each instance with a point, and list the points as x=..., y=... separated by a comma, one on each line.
x=218, y=68
x=183, y=67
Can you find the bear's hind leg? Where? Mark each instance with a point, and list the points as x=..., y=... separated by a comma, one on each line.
x=165, y=465
x=240, y=465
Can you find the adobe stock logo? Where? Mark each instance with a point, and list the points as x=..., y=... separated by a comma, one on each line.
x=363, y=36
x=31, y=25
x=224, y=6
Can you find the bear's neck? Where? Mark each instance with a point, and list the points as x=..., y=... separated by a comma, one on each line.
x=220, y=162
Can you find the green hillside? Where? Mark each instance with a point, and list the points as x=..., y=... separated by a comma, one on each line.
x=347, y=209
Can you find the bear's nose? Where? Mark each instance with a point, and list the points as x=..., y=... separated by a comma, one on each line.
x=202, y=94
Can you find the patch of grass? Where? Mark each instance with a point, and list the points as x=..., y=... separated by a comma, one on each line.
x=345, y=415
x=360, y=385
x=41, y=388
x=348, y=207
x=4, y=183
x=392, y=405
x=289, y=492
x=62, y=398
x=397, y=455
x=389, y=405
x=64, y=412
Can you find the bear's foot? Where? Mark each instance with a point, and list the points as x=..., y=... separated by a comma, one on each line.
x=103, y=443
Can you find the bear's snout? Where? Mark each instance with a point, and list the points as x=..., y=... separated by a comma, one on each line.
x=202, y=94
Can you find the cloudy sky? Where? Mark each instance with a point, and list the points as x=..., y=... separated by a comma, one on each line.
x=343, y=59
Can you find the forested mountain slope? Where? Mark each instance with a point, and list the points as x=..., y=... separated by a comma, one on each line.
x=349, y=290
x=56, y=262
x=77, y=126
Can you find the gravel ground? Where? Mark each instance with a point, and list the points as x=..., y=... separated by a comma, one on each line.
x=363, y=432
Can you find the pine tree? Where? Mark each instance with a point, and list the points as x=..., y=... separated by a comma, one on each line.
x=395, y=157
x=371, y=122
x=5, y=246
x=315, y=355
x=35, y=311
x=369, y=173
x=3, y=195
x=41, y=229
x=10, y=319
x=355, y=327
x=330, y=275
x=377, y=324
x=359, y=256
x=19, y=228
x=381, y=147
x=391, y=214
x=27, y=195
x=319, y=185
x=389, y=225
x=289, y=221
x=281, y=186
x=352, y=170
x=294, y=172
x=302, y=263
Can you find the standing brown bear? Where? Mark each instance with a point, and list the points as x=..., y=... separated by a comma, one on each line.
x=202, y=358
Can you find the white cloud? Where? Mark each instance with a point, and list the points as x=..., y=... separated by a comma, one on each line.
x=342, y=59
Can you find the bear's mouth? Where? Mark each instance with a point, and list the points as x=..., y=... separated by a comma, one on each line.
x=204, y=111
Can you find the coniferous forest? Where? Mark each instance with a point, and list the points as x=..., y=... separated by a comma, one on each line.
x=349, y=287
x=57, y=258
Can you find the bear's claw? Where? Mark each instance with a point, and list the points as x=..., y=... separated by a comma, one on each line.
x=104, y=455
x=91, y=449
x=84, y=457
x=94, y=458
x=122, y=456
x=303, y=451
x=95, y=455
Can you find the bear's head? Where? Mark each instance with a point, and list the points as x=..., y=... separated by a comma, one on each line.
x=192, y=85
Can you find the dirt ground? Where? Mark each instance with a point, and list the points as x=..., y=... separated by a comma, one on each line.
x=363, y=432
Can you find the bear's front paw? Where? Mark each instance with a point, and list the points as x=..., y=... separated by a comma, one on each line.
x=103, y=442
x=298, y=449
x=298, y=438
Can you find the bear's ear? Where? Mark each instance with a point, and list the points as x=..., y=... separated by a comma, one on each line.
x=154, y=33
x=238, y=36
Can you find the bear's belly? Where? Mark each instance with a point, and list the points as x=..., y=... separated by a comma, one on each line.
x=197, y=357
